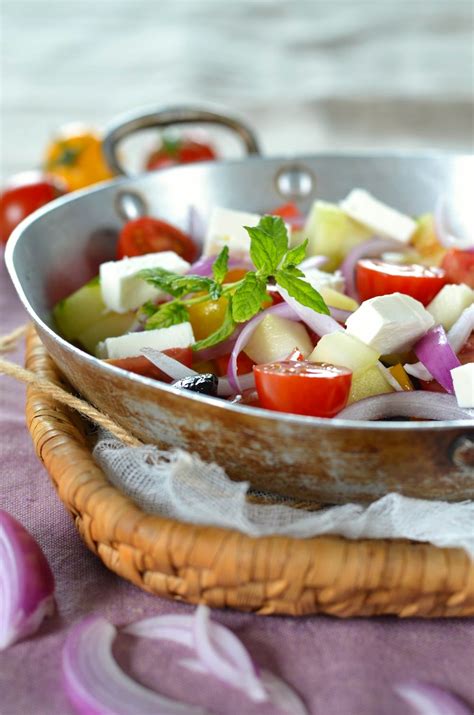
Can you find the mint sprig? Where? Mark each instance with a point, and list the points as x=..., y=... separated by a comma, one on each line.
x=273, y=261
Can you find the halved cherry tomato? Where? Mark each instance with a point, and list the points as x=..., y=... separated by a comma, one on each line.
x=375, y=277
x=303, y=387
x=290, y=213
x=24, y=193
x=180, y=151
x=248, y=397
x=459, y=266
x=151, y=235
x=244, y=364
x=141, y=366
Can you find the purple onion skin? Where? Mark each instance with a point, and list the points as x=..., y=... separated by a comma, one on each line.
x=35, y=578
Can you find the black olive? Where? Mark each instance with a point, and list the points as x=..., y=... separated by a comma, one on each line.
x=204, y=384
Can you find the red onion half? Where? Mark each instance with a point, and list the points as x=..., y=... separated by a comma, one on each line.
x=428, y=699
x=372, y=248
x=437, y=355
x=416, y=403
x=96, y=685
x=26, y=583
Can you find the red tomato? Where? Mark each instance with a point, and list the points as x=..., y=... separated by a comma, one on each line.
x=182, y=151
x=244, y=364
x=303, y=387
x=23, y=194
x=151, y=235
x=375, y=277
x=141, y=366
x=290, y=213
x=459, y=266
x=248, y=397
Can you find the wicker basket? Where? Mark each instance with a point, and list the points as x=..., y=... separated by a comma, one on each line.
x=225, y=568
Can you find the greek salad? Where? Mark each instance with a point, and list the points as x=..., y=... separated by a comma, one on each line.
x=355, y=311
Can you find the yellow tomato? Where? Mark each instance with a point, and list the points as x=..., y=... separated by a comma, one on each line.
x=75, y=155
x=207, y=317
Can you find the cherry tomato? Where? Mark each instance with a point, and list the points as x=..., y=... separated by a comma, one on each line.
x=374, y=277
x=244, y=364
x=25, y=193
x=303, y=387
x=459, y=266
x=248, y=397
x=291, y=214
x=151, y=235
x=180, y=151
x=141, y=366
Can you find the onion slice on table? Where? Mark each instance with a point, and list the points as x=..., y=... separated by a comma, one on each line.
x=437, y=355
x=368, y=249
x=428, y=699
x=454, y=224
x=422, y=405
x=218, y=652
x=26, y=583
x=97, y=685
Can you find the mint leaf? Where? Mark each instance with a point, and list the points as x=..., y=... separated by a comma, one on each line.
x=175, y=284
x=222, y=333
x=268, y=243
x=247, y=299
x=302, y=291
x=220, y=265
x=149, y=308
x=295, y=255
x=168, y=314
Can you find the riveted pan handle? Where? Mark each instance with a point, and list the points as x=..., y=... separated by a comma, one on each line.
x=132, y=122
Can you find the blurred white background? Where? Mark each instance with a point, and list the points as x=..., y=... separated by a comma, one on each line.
x=308, y=74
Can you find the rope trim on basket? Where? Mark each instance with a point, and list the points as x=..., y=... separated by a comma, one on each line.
x=10, y=341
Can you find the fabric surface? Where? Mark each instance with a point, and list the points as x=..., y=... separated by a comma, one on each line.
x=338, y=667
x=179, y=485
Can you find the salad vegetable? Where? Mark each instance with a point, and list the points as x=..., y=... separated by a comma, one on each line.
x=265, y=318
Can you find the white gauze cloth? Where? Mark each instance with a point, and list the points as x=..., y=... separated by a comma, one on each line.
x=179, y=485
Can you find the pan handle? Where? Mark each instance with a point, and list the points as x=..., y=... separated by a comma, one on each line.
x=132, y=122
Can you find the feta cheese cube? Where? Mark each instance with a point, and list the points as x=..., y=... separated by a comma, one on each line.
x=447, y=306
x=463, y=382
x=129, y=345
x=380, y=218
x=122, y=290
x=390, y=323
x=226, y=228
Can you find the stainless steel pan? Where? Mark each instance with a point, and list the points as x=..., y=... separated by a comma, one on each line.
x=331, y=461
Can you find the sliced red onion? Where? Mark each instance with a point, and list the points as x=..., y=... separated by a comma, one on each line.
x=460, y=332
x=221, y=348
x=423, y=405
x=339, y=315
x=437, y=355
x=171, y=367
x=428, y=699
x=177, y=629
x=235, y=381
x=26, y=583
x=312, y=262
x=96, y=685
x=233, y=669
x=368, y=249
x=226, y=387
x=285, y=699
x=203, y=266
x=454, y=228
x=318, y=322
x=419, y=371
x=389, y=377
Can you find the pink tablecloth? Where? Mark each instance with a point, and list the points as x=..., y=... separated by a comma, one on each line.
x=339, y=667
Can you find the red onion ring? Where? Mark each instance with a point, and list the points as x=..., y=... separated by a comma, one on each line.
x=437, y=355
x=423, y=405
x=444, y=231
x=203, y=266
x=171, y=367
x=318, y=322
x=428, y=699
x=96, y=684
x=368, y=249
x=26, y=583
x=312, y=262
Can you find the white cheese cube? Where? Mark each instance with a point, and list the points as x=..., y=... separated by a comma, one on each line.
x=318, y=278
x=380, y=218
x=447, y=306
x=129, y=345
x=122, y=290
x=390, y=323
x=463, y=382
x=226, y=228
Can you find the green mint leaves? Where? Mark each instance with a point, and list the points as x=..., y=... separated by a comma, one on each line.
x=273, y=260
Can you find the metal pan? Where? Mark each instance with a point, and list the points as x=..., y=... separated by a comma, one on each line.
x=331, y=461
